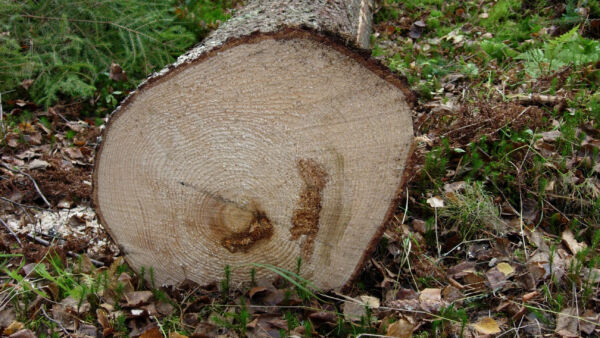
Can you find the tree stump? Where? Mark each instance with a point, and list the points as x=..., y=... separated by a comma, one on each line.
x=275, y=140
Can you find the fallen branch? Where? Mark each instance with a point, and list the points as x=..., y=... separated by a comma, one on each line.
x=540, y=99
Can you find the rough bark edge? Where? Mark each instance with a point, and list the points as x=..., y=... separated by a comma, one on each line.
x=330, y=39
x=409, y=171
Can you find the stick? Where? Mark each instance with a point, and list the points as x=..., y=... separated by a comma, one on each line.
x=37, y=188
x=69, y=253
x=11, y=232
x=55, y=322
x=23, y=205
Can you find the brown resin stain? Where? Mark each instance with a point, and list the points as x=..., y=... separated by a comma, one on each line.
x=305, y=219
x=258, y=228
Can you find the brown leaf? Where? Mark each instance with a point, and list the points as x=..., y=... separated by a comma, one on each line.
x=323, y=316
x=593, y=321
x=38, y=164
x=401, y=328
x=151, y=332
x=73, y=153
x=102, y=316
x=529, y=296
x=566, y=323
x=487, y=325
x=431, y=299
x=117, y=73
x=7, y=316
x=12, y=328
x=496, y=279
x=205, y=329
x=256, y=290
x=571, y=242
x=451, y=294
x=26, y=83
x=274, y=297
x=125, y=280
x=354, y=311
x=461, y=269
x=137, y=298
x=175, y=334
x=505, y=268
x=25, y=333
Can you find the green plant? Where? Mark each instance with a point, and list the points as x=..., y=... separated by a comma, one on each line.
x=447, y=315
x=65, y=53
x=225, y=282
x=471, y=211
x=567, y=49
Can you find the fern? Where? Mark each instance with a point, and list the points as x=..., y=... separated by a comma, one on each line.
x=567, y=49
x=64, y=45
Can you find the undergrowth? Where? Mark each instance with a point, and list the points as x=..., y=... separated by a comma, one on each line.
x=66, y=47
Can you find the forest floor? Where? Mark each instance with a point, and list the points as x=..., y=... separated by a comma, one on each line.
x=498, y=233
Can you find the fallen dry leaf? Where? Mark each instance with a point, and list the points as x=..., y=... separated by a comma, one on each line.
x=495, y=278
x=12, y=328
x=25, y=333
x=571, y=242
x=505, y=268
x=354, y=311
x=592, y=322
x=74, y=153
x=117, y=73
x=486, y=325
x=137, y=298
x=370, y=301
x=38, y=164
x=566, y=323
x=435, y=202
x=151, y=332
x=401, y=328
x=431, y=299
x=175, y=334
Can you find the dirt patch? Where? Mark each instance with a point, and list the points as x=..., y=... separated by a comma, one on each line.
x=305, y=219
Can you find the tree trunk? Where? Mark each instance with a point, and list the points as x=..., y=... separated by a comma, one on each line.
x=275, y=140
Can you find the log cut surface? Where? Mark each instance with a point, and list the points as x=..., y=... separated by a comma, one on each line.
x=264, y=150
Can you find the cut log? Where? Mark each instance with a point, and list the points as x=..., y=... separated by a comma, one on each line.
x=275, y=140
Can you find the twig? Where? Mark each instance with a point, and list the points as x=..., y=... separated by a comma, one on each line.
x=521, y=212
x=69, y=253
x=11, y=232
x=539, y=99
x=464, y=127
x=23, y=205
x=37, y=188
x=55, y=322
